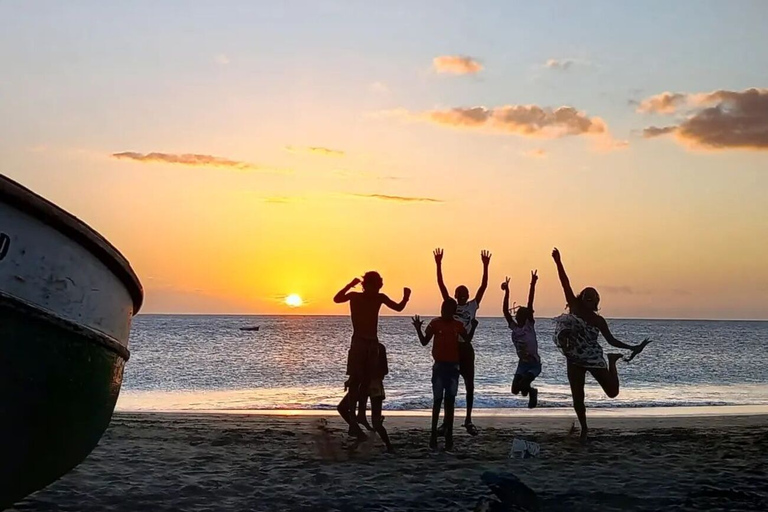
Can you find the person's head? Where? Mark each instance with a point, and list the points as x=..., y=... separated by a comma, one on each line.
x=372, y=282
x=589, y=298
x=523, y=315
x=448, y=309
x=461, y=294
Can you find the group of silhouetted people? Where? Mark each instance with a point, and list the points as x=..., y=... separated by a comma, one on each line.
x=451, y=334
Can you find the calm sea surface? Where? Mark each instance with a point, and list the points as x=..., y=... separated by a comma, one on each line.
x=181, y=362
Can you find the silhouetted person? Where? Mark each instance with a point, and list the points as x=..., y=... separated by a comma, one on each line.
x=376, y=392
x=576, y=336
x=363, y=353
x=446, y=331
x=465, y=312
x=526, y=344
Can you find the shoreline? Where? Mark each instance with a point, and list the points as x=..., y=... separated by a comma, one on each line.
x=596, y=412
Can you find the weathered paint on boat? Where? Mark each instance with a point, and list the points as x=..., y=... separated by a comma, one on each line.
x=67, y=298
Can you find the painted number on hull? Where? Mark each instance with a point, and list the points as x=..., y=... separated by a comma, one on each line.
x=5, y=244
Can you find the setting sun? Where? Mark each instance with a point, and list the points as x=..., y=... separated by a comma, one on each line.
x=293, y=300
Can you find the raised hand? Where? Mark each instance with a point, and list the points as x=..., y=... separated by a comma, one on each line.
x=486, y=257
x=438, y=254
x=637, y=349
x=407, y=293
x=556, y=255
x=505, y=284
x=534, y=275
x=356, y=281
x=417, y=322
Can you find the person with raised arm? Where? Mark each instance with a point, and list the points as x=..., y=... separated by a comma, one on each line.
x=363, y=356
x=576, y=334
x=447, y=331
x=466, y=310
x=525, y=342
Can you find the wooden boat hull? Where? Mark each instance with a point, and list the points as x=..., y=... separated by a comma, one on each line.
x=67, y=298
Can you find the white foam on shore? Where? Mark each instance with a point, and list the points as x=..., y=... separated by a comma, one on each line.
x=646, y=412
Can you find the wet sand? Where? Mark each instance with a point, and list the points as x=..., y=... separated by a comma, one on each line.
x=228, y=462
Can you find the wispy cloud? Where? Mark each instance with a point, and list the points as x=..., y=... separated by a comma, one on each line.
x=316, y=150
x=456, y=64
x=559, y=64
x=664, y=103
x=655, y=131
x=717, y=120
x=399, y=199
x=523, y=120
x=187, y=159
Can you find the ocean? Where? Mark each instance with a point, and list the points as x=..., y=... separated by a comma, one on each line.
x=201, y=362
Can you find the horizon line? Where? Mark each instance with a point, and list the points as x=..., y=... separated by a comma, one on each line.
x=668, y=319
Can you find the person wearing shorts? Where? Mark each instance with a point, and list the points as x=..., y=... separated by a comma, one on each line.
x=522, y=324
x=466, y=310
x=446, y=331
x=364, y=351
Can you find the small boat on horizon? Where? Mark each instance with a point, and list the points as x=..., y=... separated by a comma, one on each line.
x=67, y=299
x=251, y=328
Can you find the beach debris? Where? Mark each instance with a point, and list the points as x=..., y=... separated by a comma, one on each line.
x=522, y=449
x=512, y=493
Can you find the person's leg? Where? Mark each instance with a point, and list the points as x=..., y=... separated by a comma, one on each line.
x=450, y=403
x=469, y=382
x=533, y=398
x=450, y=391
x=378, y=422
x=517, y=382
x=343, y=408
x=608, y=379
x=467, y=370
x=437, y=402
x=362, y=402
x=576, y=377
x=352, y=399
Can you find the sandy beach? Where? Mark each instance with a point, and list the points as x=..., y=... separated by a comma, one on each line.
x=221, y=462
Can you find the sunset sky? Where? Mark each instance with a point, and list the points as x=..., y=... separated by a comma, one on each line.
x=239, y=152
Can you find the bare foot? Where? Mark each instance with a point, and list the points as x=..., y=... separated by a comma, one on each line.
x=639, y=349
x=433, y=441
x=583, y=436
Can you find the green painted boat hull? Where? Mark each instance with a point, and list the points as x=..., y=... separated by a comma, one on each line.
x=58, y=388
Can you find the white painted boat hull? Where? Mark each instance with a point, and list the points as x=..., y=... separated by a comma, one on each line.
x=67, y=298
